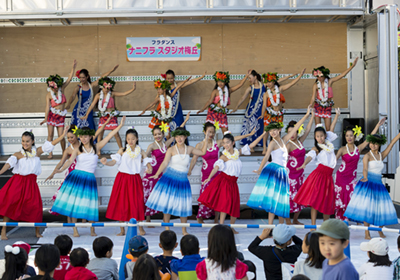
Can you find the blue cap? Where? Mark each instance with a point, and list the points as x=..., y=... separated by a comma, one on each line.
x=138, y=244
x=282, y=233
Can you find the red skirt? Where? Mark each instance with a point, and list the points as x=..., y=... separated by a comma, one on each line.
x=126, y=201
x=222, y=195
x=322, y=112
x=318, y=191
x=113, y=124
x=55, y=120
x=20, y=199
x=213, y=117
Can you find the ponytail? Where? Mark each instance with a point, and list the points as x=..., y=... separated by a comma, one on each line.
x=255, y=74
x=15, y=265
x=47, y=259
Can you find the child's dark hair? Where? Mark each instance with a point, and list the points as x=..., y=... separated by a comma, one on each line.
x=300, y=277
x=72, y=128
x=102, y=245
x=170, y=72
x=91, y=142
x=190, y=245
x=255, y=74
x=229, y=136
x=315, y=258
x=47, y=259
x=379, y=260
x=168, y=239
x=64, y=244
x=86, y=73
x=28, y=134
x=320, y=128
x=15, y=265
x=221, y=247
x=155, y=128
x=146, y=268
x=79, y=257
x=138, y=254
x=208, y=125
x=131, y=131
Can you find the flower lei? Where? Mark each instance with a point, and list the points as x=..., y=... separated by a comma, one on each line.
x=133, y=154
x=57, y=99
x=223, y=96
x=247, y=115
x=103, y=106
x=235, y=155
x=162, y=101
x=28, y=154
x=271, y=97
x=323, y=95
x=327, y=147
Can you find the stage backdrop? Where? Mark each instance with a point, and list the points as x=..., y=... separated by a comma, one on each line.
x=283, y=48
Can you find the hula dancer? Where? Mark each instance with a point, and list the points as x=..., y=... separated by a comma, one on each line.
x=318, y=190
x=273, y=100
x=78, y=197
x=55, y=111
x=322, y=97
x=220, y=99
x=371, y=202
x=172, y=194
x=272, y=190
x=296, y=159
x=106, y=105
x=20, y=197
x=346, y=176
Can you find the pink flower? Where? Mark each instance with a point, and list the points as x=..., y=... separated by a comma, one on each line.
x=52, y=84
x=315, y=73
x=105, y=85
x=320, y=73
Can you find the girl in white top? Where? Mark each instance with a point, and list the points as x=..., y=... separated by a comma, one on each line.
x=272, y=190
x=318, y=189
x=172, y=194
x=127, y=200
x=20, y=197
x=78, y=196
x=370, y=202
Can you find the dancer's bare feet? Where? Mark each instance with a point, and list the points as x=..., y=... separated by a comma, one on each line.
x=141, y=231
x=4, y=236
x=381, y=234
x=122, y=233
x=184, y=231
x=296, y=222
x=234, y=231
x=200, y=220
x=367, y=235
x=92, y=232
x=166, y=228
x=76, y=233
x=149, y=221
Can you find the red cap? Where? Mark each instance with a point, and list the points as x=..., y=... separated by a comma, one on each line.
x=22, y=245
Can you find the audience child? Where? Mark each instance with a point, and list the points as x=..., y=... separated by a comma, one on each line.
x=222, y=259
x=273, y=256
x=146, y=268
x=137, y=246
x=23, y=245
x=64, y=244
x=79, y=258
x=333, y=239
x=102, y=265
x=47, y=259
x=167, y=244
x=378, y=266
x=396, y=263
x=190, y=250
x=312, y=265
x=15, y=263
x=300, y=277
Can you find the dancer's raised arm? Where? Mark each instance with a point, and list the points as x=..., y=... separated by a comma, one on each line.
x=295, y=81
x=337, y=111
x=192, y=81
x=180, y=86
x=308, y=128
x=125, y=92
x=238, y=86
x=363, y=145
x=71, y=74
x=341, y=76
x=287, y=137
x=95, y=83
x=151, y=105
x=110, y=135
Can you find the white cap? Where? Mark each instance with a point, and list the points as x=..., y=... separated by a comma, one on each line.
x=378, y=246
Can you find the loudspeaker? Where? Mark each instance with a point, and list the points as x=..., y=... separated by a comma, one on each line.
x=352, y=123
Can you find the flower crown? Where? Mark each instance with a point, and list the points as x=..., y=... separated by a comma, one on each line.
x=321, y=72
x=80, y=132
x=379, y=139
x=55, y=81
x=164, y=84
x=270, y=77
x=274, y=125
x=180, y=132
x=106, y=82
x=221, y=76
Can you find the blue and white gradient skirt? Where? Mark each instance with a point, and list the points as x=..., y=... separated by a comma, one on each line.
x=371, y=203
x=272, y=191
x=78, y=197
x=172, y=194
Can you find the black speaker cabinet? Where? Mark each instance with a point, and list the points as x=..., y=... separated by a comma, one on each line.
x=352, y=123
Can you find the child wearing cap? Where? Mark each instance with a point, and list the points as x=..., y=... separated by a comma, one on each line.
x=167, y=244
x=137, y=246
x=396, y=263
x=23, y=245
x=378, y=266
x=333, y=239
x=102, y=265
x=64, y=244
x=273, y=256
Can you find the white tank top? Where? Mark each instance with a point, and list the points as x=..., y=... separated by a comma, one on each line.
x=180, y=162
x=280, y=156
x=376, y=166
x=86, y=162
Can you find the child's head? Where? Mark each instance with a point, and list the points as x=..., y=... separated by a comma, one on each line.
x=145, y=268
x=189, y=245
x=378, y=250
x=138, y=246
x=16, y=259
x=222, y=246
x=79, y=257
x=333, y=238
x=319, y=137
x=131, y=138
x=85, y=135
x=47, y=259
x=300, y=277
x=168, y=240
x=102, y=247
x=311, y=247
x=27, y=140
x=283, y=234
x=64, y=244
x=274, y=129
